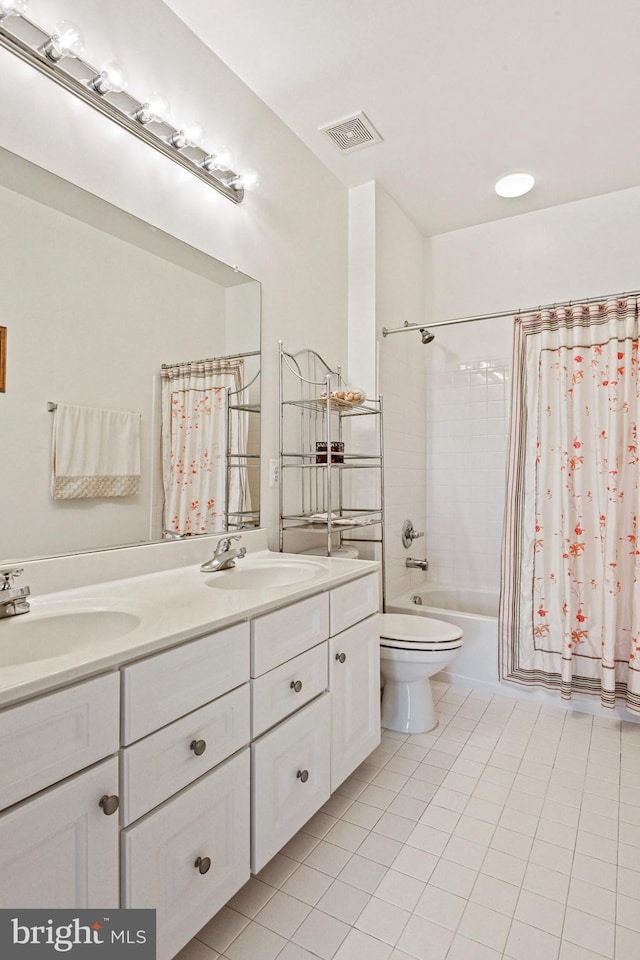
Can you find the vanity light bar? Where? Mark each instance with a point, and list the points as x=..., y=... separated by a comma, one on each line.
x=30, y=42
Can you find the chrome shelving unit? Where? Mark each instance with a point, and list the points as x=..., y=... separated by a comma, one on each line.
x=328, y=497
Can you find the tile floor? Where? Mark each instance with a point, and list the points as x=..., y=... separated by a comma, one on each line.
x=510, y=831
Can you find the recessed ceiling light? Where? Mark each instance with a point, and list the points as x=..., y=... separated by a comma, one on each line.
x=514, y=185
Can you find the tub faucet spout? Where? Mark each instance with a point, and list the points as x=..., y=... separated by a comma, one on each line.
x=418, y=564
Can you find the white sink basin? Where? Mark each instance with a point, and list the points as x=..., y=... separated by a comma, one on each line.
x=264, y=573
x=40, y=636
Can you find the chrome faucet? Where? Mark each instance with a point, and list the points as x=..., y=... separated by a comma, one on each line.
x=13, y=600
x=224, y=557
x=418, y=564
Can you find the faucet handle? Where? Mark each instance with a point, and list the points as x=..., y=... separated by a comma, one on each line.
x=224, y=545
x=409, y=534
x=9, y=575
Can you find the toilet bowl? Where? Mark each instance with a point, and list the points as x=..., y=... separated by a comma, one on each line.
x=412, y=649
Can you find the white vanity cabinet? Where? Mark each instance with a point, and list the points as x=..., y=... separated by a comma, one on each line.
x=303, y=752
x=164, y=783
x=185, y=782
x=59, y=846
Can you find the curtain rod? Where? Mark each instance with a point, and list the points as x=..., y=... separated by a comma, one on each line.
x=507, y=313
x=230, y=356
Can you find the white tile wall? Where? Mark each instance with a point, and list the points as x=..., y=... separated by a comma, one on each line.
x=466, y=428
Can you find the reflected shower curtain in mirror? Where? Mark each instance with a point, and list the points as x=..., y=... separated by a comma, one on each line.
x=569, y=607
x=194, y=440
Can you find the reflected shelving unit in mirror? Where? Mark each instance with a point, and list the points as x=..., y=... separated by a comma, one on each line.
x=243, y=454
x=331, y=459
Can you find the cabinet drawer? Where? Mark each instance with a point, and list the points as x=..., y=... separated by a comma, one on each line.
x=210, y=819
x=59, y=850
x=164, y=762
x=282, y=799
x=282, y=635
x=353, y=602
x=162, y=688
x=45, y=740
x=288, y=687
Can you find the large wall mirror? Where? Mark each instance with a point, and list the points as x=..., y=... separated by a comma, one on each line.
x=104, y=311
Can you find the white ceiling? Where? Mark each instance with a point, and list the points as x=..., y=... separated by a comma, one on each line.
x=462, y=91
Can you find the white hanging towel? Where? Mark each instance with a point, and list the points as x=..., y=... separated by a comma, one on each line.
x=95, y=453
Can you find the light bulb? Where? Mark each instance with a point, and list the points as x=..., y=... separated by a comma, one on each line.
x=12, y=8
x=65, y=41
x=191, y=135
x=248, y=180
x=221, y=159
x=111, y=79
x=155, y=109
x=514, y=185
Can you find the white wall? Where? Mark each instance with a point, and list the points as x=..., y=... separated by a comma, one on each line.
x=399, y=298
x=90, y=321
x=291, y=235
x=577, y=250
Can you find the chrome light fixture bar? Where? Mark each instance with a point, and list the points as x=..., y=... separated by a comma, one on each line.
x=105, y=90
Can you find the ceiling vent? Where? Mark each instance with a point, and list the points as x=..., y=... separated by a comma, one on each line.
x=354, y=133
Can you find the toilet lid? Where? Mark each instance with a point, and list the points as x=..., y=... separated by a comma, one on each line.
x=416, y=630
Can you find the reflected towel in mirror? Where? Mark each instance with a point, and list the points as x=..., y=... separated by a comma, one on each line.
x=95, y=453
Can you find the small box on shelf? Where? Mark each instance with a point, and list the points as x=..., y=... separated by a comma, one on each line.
x=337, y=451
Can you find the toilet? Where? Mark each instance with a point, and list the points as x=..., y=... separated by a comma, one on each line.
x=412, y=649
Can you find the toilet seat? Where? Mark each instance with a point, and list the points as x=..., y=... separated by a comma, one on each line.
x=414, y=645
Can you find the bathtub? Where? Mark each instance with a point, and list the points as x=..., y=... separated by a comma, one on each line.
x=476, y=613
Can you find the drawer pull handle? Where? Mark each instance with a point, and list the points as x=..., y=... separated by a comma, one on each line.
x=198, y=747
x=303, y=775
x=203, y=864
x=109, y=804
x=296, y=686
x=341, y=657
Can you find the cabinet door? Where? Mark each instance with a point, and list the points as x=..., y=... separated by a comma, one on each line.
x=60, y=850
x=188, y=857
x=289, y=779
x=354, y=681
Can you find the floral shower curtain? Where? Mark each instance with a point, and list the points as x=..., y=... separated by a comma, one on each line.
x=194, y=441
x=569, y=609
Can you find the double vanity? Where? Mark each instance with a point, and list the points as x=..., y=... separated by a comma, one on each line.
x=164, y=735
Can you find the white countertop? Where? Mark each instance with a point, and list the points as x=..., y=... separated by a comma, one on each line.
x=171, y=605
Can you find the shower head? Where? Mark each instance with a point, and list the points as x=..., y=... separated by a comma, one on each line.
x=426, y=335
